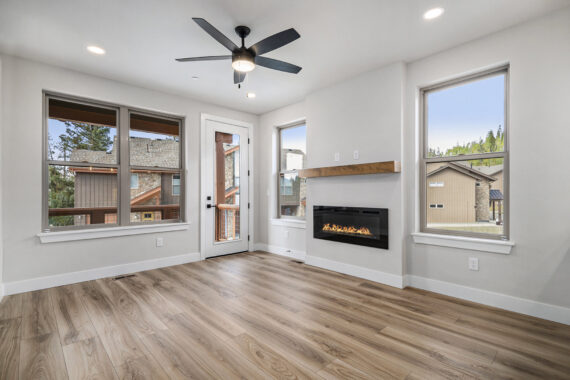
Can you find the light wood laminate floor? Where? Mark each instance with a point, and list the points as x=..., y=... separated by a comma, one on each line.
x=260, y=316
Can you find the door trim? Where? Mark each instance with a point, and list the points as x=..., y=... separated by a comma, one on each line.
x=202, y=204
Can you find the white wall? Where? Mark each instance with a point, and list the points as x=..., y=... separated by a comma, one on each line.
x=538, y=268
x=274, y=237
x=364, y=114
x=1, y=183
x=24, y=256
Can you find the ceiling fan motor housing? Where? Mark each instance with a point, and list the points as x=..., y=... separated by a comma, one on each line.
x=243, y=59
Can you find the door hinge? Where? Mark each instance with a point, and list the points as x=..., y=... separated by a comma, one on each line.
x=247, y=237
x=248, y=205
x=248, y=140
x=248, y=173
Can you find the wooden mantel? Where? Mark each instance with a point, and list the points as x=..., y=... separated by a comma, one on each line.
x=356, y=169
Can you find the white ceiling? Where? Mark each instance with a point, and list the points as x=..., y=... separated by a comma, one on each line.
x=339, y=39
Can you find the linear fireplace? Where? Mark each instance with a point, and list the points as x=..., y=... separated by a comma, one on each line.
x=353, y=225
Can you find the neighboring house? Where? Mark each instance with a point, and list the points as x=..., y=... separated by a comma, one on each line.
x=97, y=187
x=457, y=193
x=293, y=197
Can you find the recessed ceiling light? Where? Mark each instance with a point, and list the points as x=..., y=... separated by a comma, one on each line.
x=433, y=13
x=251, y=95
x=96, y=50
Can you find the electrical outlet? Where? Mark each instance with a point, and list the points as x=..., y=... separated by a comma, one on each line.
x=355, y=155
x=337, y=156
x=473, y=263
x=159, y=242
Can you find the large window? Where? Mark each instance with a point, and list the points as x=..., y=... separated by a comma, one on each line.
x=292, y=188
x=95, y=176
x=464, y=160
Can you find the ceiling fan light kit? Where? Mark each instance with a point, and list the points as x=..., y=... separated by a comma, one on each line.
x=245, y=59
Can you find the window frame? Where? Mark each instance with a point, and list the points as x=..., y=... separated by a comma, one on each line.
x=424, y=160
x=122, y=166
x=280, y=172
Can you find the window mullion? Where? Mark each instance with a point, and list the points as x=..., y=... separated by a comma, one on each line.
x=124, y=171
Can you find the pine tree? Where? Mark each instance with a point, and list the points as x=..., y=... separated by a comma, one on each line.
x=84, y=136
x=61, y=183
x=491, y=141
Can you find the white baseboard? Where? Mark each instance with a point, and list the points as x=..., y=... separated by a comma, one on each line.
x=357, y=271
x=282, y=251
x=15, y=287
x=519, y=305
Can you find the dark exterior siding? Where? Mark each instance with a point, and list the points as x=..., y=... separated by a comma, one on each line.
x=95, y=190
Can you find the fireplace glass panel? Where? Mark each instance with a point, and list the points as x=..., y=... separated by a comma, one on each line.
x=353, y=225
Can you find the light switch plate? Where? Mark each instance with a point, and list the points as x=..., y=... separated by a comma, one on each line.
x=473, y=263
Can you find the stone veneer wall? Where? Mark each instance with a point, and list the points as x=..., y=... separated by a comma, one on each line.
x=482, y=202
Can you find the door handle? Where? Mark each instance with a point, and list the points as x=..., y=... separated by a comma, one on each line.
x=210, y=206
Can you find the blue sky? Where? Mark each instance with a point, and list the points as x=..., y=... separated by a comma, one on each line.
x=466, y=112
x=294, y=138
x=57, y=128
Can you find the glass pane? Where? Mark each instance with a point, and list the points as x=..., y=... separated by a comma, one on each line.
x=292, y=195
x=81, y=133
x=466, y=196
x=293, y=147
x=176, y=184
x=153, y=199
x=154, y=142
x=134, y=181
x=227, y=185
x=80, y=196
x=467, y=119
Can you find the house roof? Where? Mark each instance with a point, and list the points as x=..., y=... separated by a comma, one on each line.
x=464, y=170
x=489, y=170
x=144, y=152
x=495, y=195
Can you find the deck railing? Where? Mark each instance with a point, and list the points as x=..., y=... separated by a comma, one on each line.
x=97, y=214
x=227, y=222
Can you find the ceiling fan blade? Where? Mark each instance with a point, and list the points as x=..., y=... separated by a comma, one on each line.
x=208, y=58
x=275, y=41
x=238, y=77
x=275, y=64
x=218, y=36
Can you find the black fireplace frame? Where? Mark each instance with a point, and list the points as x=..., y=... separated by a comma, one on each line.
x=379, y=240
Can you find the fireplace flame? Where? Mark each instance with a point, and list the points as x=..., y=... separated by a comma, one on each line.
x=346, y=229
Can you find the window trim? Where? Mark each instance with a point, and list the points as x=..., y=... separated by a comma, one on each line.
x=423, y=160
x=280, y=172
x=123, y=162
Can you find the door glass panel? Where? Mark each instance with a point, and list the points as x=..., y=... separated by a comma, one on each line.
x=227, y=186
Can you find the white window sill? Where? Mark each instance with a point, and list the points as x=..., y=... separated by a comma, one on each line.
x=485, y=245
x=294, y=223
x=98, y=233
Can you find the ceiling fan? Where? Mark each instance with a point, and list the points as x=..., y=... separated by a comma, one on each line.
x=244, y=59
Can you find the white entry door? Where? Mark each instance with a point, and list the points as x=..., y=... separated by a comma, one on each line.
x=226, y=221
